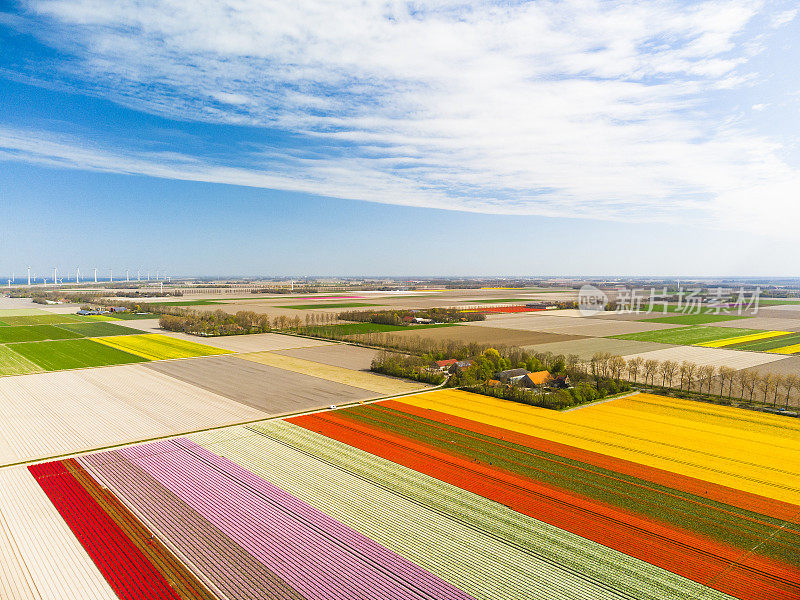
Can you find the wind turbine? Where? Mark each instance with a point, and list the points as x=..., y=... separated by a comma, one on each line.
x=156, y=274
x=95, y=274
x=55, y=276
x=29, y=276
x=127, y=277
x=148, y=276
x=110, y=276
x=77, y=274
x=138, y=275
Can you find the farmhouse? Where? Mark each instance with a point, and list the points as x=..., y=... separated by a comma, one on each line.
x=511, y=375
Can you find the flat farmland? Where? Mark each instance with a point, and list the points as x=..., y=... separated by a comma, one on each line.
x=98, y=329
x=373, y=382
x=695, y=319
x=588, y=347
x=34, y=333
x=481, y=335
x=772, y=344
x=158, y=347
x=717, y=357
x=689, y=335
x=766, y=323
x=336, y=306
x=337, y=355
x=260, y=342
x=12, y=363
x=73, y=354
x=41, y=557
x=583, y=326
x=270, y=389
x=49, y=414
x=42, y=319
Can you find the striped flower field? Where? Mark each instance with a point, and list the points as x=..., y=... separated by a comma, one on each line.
x=447, y=495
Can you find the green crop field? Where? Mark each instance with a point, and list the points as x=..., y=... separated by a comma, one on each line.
x=768, y=344
x=12, y=363
x=98, y=329
x=44, y=319
x=686, y=336
x=772, y=301
x=694, y=319
x=73, y=354
x=340, y=305
x=34, y=333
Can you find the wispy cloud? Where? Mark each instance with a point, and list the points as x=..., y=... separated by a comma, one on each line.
x=571, y=108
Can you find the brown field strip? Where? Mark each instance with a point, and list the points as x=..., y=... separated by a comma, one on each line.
x=273, y=390
x=368, y=381
x=480, y=335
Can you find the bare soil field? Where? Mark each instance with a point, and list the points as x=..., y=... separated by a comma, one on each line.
x=483, y=335
x=568, y=325
x=717, y=357
x=259, y=342
x=49, y=414
x=269, y=389
x=789, y=365
x=378, y=384
x=586, y=348
x=337, y=355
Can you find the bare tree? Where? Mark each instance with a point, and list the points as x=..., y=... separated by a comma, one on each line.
x=634, y=365
x=650, y=367
x=670, y=367
x=765, y=383
x=617, y=366
x=776, y=388
x=706, y=375
x=753, y=379
x=790, y=382
x=725, y=374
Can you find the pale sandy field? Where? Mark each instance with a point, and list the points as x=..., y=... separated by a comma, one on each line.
x=717, y=357
x=40, y=557
x=49, y=414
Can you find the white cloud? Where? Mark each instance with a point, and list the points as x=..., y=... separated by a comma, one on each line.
x=574, y=108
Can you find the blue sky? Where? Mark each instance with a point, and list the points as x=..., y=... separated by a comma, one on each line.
x=444, y=138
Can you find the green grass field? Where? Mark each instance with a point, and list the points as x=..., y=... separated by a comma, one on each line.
x=340, y=305
x=34, y=333
x=694, y=319
x=73, y=354
x=12, y=363
x=98, y=329
x=686, y=336
x=45, y=319
x=768, y=344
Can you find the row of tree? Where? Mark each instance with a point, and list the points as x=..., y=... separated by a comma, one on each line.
x=725, y=382
x=401, y=317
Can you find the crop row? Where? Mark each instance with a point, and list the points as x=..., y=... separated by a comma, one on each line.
x=686, y=553
x=503, y=553
x=313, y=554
x=716, y=444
